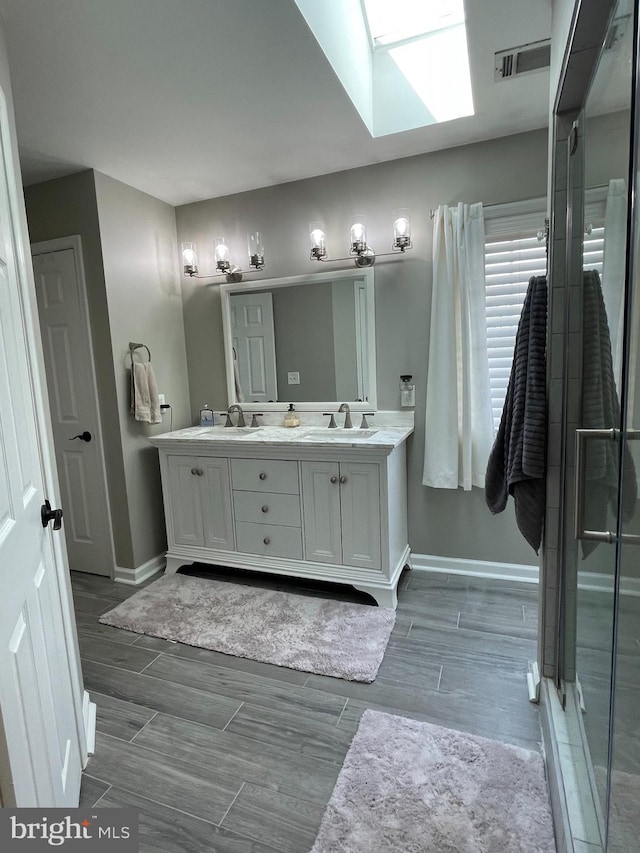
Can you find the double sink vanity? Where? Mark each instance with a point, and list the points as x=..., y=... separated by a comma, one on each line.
x=308, y=502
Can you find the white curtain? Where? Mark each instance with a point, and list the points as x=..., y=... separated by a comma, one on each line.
x=613, y=266
x=459, y=424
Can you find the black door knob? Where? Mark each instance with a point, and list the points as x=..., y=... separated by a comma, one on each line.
x=47, y=514
x=83, y=436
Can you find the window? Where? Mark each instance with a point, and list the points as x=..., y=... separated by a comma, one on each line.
x=425, y=38
x=514, y=251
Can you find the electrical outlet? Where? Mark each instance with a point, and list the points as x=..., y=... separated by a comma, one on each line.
x=293, y=378
x=161, y=399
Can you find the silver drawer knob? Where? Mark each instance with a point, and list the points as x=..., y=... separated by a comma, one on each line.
x=266, y=540
x=265, y=509
x=194, y=471
x=334, y=479
x=343, y=479
x=263, y=476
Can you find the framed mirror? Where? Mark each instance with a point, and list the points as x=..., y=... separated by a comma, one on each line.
x=307, y=340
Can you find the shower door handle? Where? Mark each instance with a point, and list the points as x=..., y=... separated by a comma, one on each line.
x=582, y=437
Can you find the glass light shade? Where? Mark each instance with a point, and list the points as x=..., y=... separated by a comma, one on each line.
x=255, y=248
x=358, y=235
x=401, y=229
x=318, y=241
x=189, y=258
x=223, y=259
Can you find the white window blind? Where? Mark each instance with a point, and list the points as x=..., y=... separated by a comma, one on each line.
x=593, y=241
x=514, y=251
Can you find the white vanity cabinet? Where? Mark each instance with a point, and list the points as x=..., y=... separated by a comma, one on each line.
x=198, y=502
x=342, y=512
x=328, y=511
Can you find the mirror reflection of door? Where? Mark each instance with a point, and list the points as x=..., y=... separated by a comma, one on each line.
x=254, y=347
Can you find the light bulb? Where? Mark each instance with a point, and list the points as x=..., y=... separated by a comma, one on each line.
x=401, y=229
x=318, y=241
x=358, y=236
x=189, y=259
x=223, y=260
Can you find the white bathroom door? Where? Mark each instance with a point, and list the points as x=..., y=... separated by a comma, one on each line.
x=42, y=740
x=253, y=339
x=73, y=400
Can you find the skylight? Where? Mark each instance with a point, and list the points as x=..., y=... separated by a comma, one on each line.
x=390, y=21
x=403, y=63
x=428, y=43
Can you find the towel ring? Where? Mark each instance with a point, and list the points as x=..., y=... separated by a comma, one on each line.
x=133, y=347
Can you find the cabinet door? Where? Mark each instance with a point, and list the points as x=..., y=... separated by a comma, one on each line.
x=185, y=512
x=360, y=509
x=321, y=508
x=215, y=495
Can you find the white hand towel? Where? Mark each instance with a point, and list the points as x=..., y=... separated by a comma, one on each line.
x=145, y=404
x=154, y=399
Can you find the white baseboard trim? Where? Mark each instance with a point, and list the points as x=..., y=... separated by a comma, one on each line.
x=89, y=719
x=600, y=582
x=142, y=573
x=475, y=568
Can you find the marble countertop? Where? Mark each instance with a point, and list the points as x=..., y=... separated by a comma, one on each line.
x=383, y=437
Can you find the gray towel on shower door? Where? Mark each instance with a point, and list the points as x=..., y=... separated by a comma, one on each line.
x=601, y=410
x=517, y=461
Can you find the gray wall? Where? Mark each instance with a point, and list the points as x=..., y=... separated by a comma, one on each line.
x=140, y=260
x=446, y=523
x=344, y=341
x=303, y=325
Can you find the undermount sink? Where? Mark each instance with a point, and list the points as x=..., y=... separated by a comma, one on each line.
x=339, y=434
x=280, y=434
x=221, y=431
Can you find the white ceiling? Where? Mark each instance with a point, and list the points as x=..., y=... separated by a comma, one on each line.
x=193, y=99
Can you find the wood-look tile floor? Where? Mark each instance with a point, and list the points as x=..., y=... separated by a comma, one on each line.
x=227, y=755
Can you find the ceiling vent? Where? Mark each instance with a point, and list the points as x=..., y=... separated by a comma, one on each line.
x=526, y=59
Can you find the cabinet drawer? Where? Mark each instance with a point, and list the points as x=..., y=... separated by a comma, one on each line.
x=267, y=508
x=265, y=475
x=269, y=539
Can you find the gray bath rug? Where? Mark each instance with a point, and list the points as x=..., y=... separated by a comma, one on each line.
x=412, y=787
x=300, y=632
x=624, y=825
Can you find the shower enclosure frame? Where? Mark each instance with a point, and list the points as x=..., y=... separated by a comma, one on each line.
x=566, y=741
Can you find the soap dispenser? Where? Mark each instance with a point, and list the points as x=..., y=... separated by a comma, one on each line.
x=407, y=391
x=206, y=416
x=291, y=418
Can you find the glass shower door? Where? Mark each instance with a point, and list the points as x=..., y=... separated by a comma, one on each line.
x=597, y=315
x=624, y=780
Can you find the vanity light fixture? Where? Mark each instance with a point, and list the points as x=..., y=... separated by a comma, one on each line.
x=363, y=255
x=359, y=249
x=256, y=250
x=190, y=259
x=318, y=241
x=223, y=259
x=224, y=265
x=401, y=230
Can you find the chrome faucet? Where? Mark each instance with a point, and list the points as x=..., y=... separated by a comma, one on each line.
x=344, y=407
x=238, y=409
